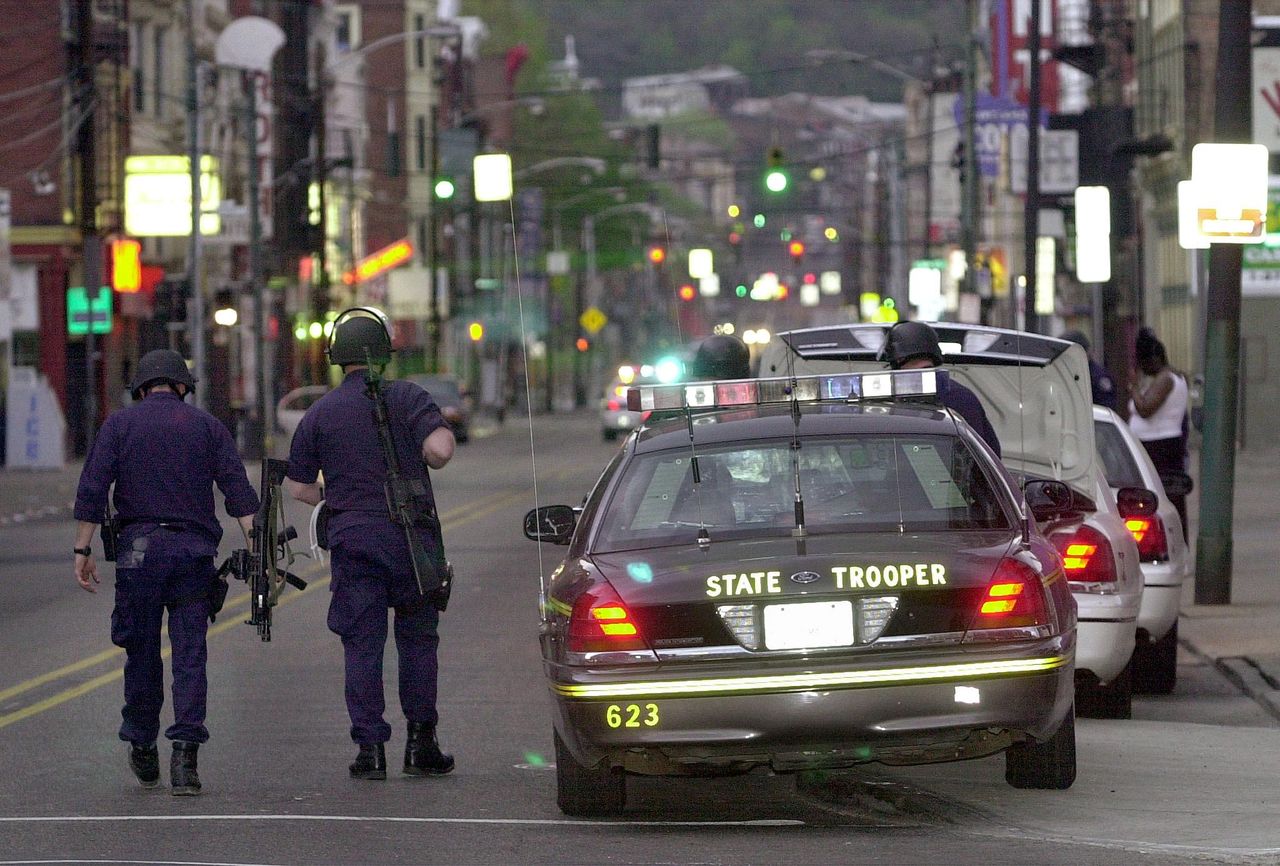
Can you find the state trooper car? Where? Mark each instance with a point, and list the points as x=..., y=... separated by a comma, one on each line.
x=804, y=572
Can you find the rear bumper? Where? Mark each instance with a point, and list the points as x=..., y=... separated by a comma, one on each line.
x=1104, y=647
x=734, y=720
x=1160, y=608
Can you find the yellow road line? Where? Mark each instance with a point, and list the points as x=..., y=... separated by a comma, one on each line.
x=455, y=517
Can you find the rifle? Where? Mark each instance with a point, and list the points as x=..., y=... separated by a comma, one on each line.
x=259, y=566
x=409, y=504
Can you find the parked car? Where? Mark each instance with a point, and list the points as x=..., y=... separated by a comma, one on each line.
x=292, y=406
x=453, y=399
x=804, y=573
x=1162, y=547
x=1035, y=390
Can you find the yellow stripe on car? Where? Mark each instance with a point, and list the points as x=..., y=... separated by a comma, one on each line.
x=811, y=682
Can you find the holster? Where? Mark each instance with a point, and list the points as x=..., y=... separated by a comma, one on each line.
x=218, y=588
x=110, y=538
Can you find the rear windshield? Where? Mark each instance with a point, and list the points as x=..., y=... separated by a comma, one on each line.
x=1117, y=460
x=849, y=484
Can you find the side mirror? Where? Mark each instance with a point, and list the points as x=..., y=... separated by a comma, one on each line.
x=1136, y=502
x=553, y=523
x=1048, y=499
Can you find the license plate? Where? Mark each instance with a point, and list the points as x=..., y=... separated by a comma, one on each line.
x=809, y=625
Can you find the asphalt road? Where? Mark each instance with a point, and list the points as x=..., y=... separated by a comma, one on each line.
x=1190, y=778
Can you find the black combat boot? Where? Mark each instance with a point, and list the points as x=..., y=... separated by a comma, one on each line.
x=183, y=778
x=370, y=763
x=144, y=760
x=422, y=755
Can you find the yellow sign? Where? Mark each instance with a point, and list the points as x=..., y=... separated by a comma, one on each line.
x=376, y=263
x=592, y=320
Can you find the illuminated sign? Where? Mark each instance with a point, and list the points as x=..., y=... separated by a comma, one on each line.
x=88, y=314
x=157, y=196
x=126, y=266
x=383, y=260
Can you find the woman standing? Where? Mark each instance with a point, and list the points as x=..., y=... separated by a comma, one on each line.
x=1157, y=416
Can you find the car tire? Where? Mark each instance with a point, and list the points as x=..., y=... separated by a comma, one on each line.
x=1050, y=765
x=587, y=791
x=1112, y=701
x=1155, y=665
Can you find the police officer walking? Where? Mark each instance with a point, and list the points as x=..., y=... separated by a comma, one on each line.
x=164, y=457
x=912, y=345
x=371, y=562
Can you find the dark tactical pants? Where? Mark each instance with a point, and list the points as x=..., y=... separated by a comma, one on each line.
x=180, y=584
x=368, y=578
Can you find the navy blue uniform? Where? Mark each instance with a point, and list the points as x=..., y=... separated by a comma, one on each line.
x=164, y=457
x=372, y=568
x=1101, y=385
x=966, y=404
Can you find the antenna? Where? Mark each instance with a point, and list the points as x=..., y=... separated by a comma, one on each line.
x=528, y=400
x=799, y=531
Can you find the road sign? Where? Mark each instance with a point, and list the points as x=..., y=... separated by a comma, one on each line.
x=85, y=314
x=592, y=320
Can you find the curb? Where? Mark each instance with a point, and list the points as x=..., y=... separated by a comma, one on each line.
x=32, y=515
x=1246, y=674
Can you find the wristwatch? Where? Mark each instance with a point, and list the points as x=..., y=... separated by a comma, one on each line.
x=83, y=551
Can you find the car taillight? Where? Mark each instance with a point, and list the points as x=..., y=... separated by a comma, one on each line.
x=1013, y=599
x=1148, y=531
x=1086, y=556
x=600, y=622
x=614, y=405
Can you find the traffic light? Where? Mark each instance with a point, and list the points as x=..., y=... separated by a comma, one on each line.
x=688, y=292
x=583, y=344
x=224, y=308
x=796, y=250
x=126, y=265
x=445, y=188
x=657, y=254
x=776, y=179
x=475, y=331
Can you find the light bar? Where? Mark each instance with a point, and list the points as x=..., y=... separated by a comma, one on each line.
x=839, y=387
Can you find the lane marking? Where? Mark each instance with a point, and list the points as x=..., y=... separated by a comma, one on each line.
x=455, y=517
x=386, y=819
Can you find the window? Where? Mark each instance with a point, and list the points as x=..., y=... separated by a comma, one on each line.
x=159, y=36
x=1117, y=460
x=346, y=28
x=850, y=484
x=419, y=43
x=420, y=142
x=424, y=245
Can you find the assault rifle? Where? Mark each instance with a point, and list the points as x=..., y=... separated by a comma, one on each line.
x=409, y=504
x=261, y=566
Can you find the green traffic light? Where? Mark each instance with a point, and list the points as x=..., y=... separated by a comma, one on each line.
x=758, y=220
x=445, y=188
x=776, y=180
x=740, y=291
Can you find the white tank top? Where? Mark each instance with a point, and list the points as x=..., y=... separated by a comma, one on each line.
x=1166, y=421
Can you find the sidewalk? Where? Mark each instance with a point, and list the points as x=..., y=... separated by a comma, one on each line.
x=1243, y=638
x=36, y=494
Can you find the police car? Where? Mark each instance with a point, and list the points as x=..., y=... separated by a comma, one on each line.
x=1035, y=391
x=799, y=573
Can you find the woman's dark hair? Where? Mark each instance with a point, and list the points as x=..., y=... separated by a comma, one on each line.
x=1146, y=346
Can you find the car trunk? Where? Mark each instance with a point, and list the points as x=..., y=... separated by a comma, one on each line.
x=892, y=585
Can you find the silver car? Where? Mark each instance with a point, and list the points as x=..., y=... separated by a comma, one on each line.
x=1162, y=547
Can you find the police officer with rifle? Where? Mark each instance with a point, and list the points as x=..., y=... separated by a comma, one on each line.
x=164, y=457
x=374, y=440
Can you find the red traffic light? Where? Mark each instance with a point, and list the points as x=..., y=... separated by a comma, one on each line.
x=126, y=265
x=583, y=344
x=796, y=248
x=735, y=238
x=657, y=255
x=687, y=292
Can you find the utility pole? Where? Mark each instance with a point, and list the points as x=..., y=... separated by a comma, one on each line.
x=255, y=260
x=433, y=241
x=1031, y=213
x=320, y=284
x=195, y=312
x=84, y=80
x=930, y=85
x=1231, y=121
x=970, y=207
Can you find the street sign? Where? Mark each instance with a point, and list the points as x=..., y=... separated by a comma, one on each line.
x=85, y=315
x=592, y=320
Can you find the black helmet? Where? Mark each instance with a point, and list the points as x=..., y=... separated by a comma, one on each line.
x=1076, y=337
x=907, y=340
x=161, y=365
x=723, y=356
x=361, y=335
